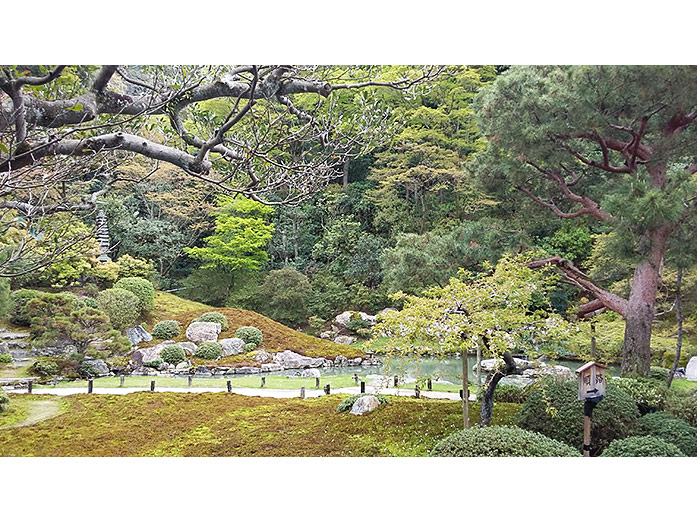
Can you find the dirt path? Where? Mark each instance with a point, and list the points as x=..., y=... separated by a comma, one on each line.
x=38, y=411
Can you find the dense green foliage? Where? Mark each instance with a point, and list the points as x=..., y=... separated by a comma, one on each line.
x=45, y=368
x=173, y=354
x=122, y=306
x=249, y=334
x=647, y=393
x=642, y=446
x=154, y=364
x=682, y=406
x=142, y=288
x=486, y=442
x=166, y=330
x=347, y=404
x=4, y=401
x=284, y=295
x=675, y=431
x=19, y=315
x=209, y=350
x=555, y=411
x=5, y=357
x=214, y=317
x=510, y=394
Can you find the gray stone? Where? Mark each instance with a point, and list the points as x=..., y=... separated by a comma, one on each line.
x=137, y=335
x=6, y=335
x=273, y=367
x=344, y=340
x=542, y=370
x=385, y=311
x=340, y=361
x=370, y=361
x=189, y=348
x=262, y=356
x=247, y=370
x=310, y=373
x=19, y=355
x=342, y=319
x=232, y=346
x=355, y=361
x=292, y=360
x=183, y=365
x=691, y=369
x=364, y=404
x=489, y=364
x=327, y=335
x=199, y=331
x=201, y=369
x=97, y=367
x=140, y=356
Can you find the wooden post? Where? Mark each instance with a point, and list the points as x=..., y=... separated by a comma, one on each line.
x=123, y=378
x=317, y=383
x=461, y=395
x=586, y=436
x=263, y=381
x=229, y=386
x=90, y=386
x=417, y=392
x=429, y=384
x=152, y=386
x=362, y=387
x=30, y=386
x=327, y=389
x=190, y=379
x=355, y=378
x=302, y=393
x=396, y=380
x=593, y=343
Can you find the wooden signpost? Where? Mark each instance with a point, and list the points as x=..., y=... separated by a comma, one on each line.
x=591, y=389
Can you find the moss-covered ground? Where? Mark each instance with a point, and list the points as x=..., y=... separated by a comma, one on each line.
x=221, y=424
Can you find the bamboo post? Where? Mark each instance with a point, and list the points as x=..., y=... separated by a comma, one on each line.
x=417, y=392
x=429, y=384
x=396, y=380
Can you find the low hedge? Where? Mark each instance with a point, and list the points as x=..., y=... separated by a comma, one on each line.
x=555, y=411
x=675, y=431
x=501, y=441
x=215, y=317
x=642, y=446
x=209, y=350
x=166, y=330
x=347, y=404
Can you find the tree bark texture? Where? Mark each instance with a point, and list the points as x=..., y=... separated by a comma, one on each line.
x=487, y=403
x=678, y=312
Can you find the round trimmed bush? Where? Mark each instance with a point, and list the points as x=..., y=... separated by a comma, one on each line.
x=659, y=374
x=647, y=393
x=19, y=314
x=4, y=401
x=122, y=307
x=347, y=404
x=555, y=411
x=166, y=330
x=142, y=288
x=501, y=441
x=173, y=354
x=682, y=406
x=45, y=368
x=249, y=334
x=214, y=317
x=5, y=357
x=249, y=347
x=209, y=350
x=642, y=446
x=675, y=431
x=154, y=363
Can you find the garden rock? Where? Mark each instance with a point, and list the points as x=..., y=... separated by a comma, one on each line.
x=292, y=360
x=247, y=370
x=140, y=356
x=182, y=365
x=97, y=367
x=262, y=356
x=355, y=361
x=370, y=361
x=7, y=335
x=489, y=364
x=327, y=335
x=385, y=311
x=342, y=319
x=272, y=367
x=691, y=369
x=19, y=355
x=232, y=346
x=310, y=373
x=556, y=371
x=340, y=361
x=364, y=404
x=199, y=331
x=189, y=348
x=137, y=335
x=344, y=340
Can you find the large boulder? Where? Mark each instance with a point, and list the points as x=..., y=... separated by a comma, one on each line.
x=262, y=356
x=310, y=373
x=247, y=370
x=232, y=346
x=189, y=347
x=141, y=356
x=292, y=360
x=691, y=369
x=199, y=331
x=489, y=364
x=97, y=367
x=344, y=340
x=272, y=367
x=542, y=371
x=364, y=404
x=341, y=320
x=138, y=335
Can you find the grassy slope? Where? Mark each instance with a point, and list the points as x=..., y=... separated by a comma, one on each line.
x=208, y=424
x=277, y=337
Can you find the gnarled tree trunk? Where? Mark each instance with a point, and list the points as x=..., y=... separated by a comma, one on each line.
x=487, y=404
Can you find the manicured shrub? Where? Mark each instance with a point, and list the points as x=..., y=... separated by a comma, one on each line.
x=45, y=368
x=356, y=323
x=166, y=330
x=647, y=393
x=122, y=307
x=642, y=446
x=501, y=441
x=316, y=325
x=18, y=313
x=4, y=401
x=154, y=364
x=214, y=317
x=249, y=335
x=510, y=394
x=142, y=288
x=682, y=406
x=347, y=404
x=209, y=350
x=5, y=357
x=173, y=354
x=89, y=302
x=659, y=374
x=675, y=431
x=554, y=410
